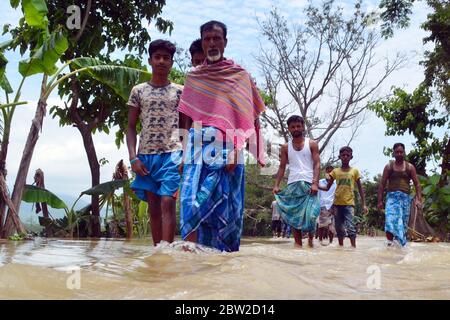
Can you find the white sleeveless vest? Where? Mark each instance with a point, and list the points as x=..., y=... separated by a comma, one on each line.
x=300, y=163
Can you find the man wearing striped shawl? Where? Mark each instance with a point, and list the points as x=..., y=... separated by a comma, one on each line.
x=219, y=106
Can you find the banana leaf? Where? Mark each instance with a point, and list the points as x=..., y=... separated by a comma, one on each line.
x=44, y=59
x=35, y=12
x=4, y=83
x=105, y=188
x=119, y=78
x=33, y=194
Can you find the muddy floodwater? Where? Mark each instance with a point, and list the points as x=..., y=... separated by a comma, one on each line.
x=264, y=268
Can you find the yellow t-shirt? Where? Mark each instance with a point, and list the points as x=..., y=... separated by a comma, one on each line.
x=345, y=186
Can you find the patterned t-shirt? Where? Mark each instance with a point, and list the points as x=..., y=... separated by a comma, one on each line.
x=345, y=186
x=159, y=117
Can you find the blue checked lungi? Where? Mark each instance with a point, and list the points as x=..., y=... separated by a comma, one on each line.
x=298, y=207
x=397, y=214
x=211, y=199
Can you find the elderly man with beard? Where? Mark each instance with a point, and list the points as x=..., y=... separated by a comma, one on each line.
x=220, y=106
x=298, y=203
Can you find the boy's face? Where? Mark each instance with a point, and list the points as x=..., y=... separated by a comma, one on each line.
x=345, y=157
x=197, y=58
x=161, y=62
x=296, y=129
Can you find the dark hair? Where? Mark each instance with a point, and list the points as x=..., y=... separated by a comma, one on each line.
x=295, y=118
x=161, y=45
x=329, y=167
x=196, y=46
x=210, y=25
x=346, y=148
x=398, y=144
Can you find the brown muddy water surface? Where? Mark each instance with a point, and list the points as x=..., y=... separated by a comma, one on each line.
x=263, y=269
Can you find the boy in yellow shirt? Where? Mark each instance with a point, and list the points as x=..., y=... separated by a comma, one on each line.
x=344, y=199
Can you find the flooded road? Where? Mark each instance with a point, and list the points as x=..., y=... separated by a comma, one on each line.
x=263, y=269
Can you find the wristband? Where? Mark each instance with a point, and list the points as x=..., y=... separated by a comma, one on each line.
x=134, y=160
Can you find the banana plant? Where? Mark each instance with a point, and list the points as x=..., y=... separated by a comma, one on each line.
x=436, y=201
x=33, y=194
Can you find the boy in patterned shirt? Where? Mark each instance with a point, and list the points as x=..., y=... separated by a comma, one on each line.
x=344, y=199
x=155, y=104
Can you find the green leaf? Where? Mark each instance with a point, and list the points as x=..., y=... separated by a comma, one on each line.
x=14, y=3
x=105, y=188
x=84, y=211
x=4, y=83
x=434, y=179
x=118, y=78
x=428, y=190
x=446, y=190
x=35, y=12
x=45, y=58
x=142, y=210
x=33, y=194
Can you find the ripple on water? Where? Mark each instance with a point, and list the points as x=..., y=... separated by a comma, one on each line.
x=262, y=269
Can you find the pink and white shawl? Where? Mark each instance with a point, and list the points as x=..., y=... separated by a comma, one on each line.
x=223, y=95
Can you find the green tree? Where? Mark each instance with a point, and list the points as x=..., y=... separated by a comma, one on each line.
x=428, y=106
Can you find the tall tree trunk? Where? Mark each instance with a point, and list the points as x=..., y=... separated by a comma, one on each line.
x=12, y=219
x=128, y=215
x=3, y=171
x=17, y=224
x=2, y=211
x=121, y=173
x=40, y=182
x=95, y=177
x=88, y=142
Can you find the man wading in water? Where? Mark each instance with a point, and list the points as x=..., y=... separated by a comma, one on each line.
x=155, y=104
x=298, y=203
x=398, y=175
x=223, y=103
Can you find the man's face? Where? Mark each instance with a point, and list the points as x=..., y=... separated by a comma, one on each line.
x=197, y=58
x=345, y=157
x=161, y=62
x=213, y=44
x=296, y=129
x=399, y=153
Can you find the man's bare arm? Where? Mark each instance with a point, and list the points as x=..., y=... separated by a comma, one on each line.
x=316, y=166
x=137, y=166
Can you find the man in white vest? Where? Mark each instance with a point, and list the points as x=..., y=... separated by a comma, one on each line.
x=298, y=203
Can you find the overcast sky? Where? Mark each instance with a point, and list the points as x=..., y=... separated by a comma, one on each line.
x=59, y=150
